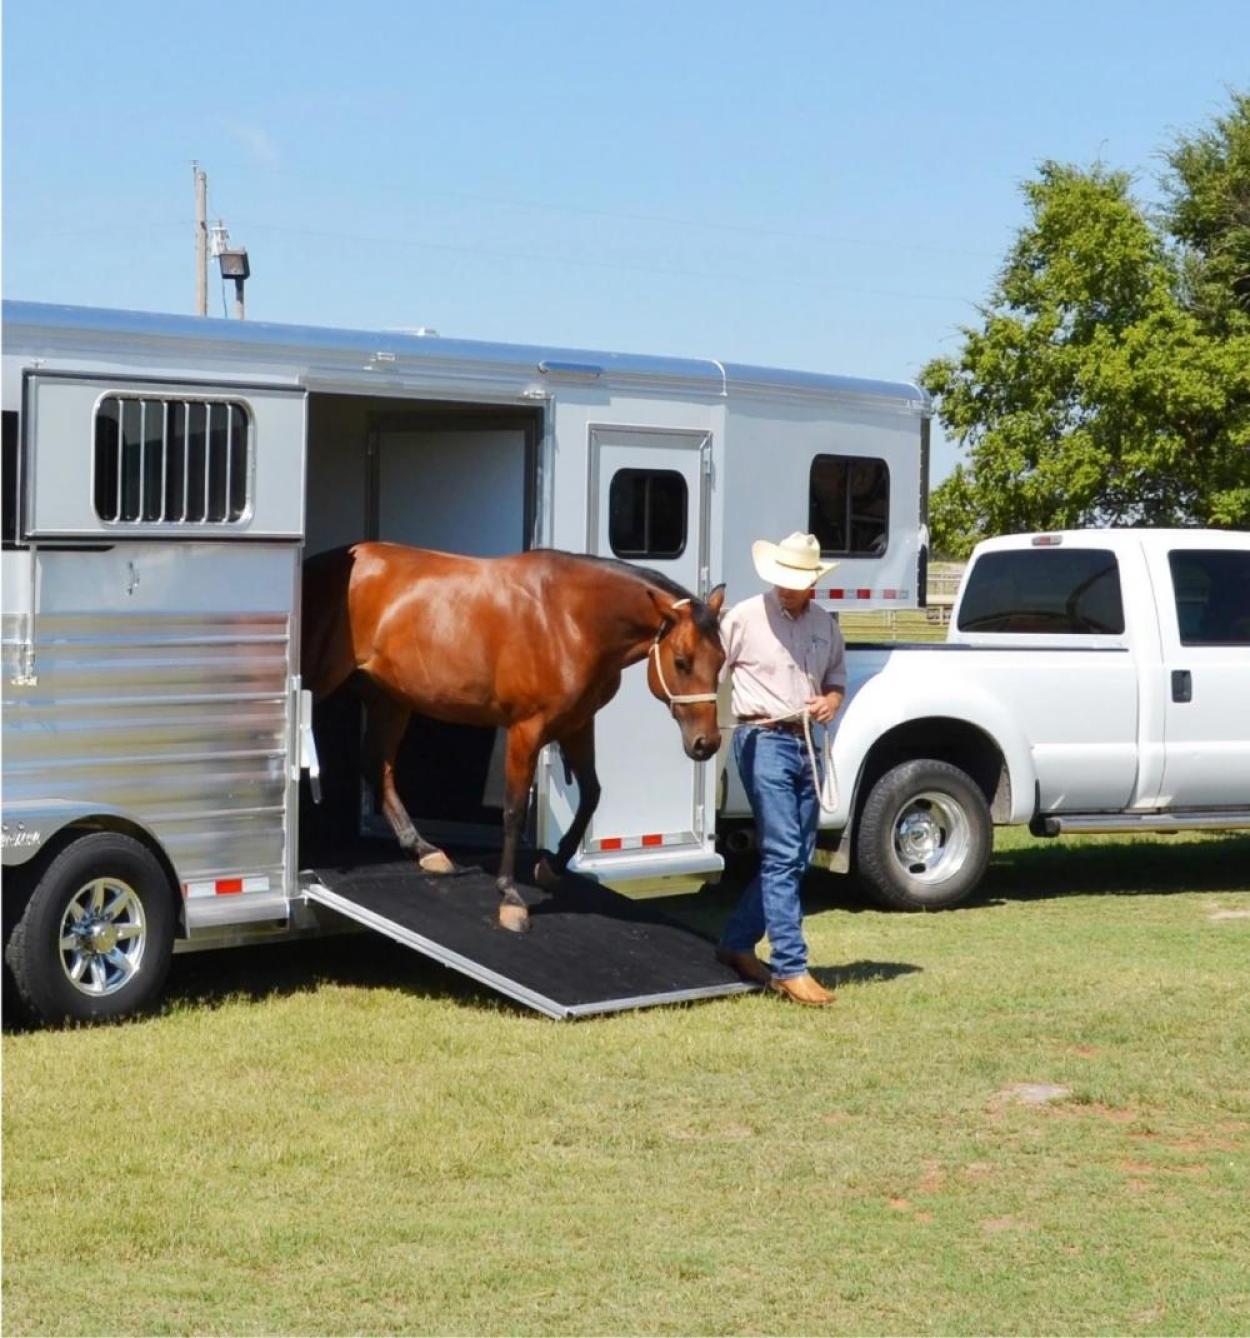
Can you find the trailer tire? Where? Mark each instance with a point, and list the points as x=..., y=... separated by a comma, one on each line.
x=924, y=837
x=95, y=938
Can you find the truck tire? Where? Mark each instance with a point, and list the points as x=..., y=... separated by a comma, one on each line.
x=95, y=938
x=924, y=837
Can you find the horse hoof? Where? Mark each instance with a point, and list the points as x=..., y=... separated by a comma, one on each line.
x=545, y=875
x=436, y=862
x=514, y=918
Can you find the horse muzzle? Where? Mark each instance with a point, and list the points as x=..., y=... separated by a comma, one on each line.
x=702, y=746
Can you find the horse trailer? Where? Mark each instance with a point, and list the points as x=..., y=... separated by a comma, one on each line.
x=165, y=476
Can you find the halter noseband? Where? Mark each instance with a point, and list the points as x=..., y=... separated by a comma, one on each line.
x=680, y=698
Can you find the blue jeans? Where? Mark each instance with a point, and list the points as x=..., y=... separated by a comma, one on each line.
x=777, y=777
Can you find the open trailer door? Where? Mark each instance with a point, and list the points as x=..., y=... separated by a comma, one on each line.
x=643, y=497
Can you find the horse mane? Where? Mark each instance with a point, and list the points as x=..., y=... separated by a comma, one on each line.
x=705, y=620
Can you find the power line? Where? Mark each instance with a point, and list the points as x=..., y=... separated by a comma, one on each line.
x=547, y=259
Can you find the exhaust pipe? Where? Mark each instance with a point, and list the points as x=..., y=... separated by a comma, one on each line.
x=740, y=840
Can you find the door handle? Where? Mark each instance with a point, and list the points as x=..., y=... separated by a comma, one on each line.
x=1182, y=685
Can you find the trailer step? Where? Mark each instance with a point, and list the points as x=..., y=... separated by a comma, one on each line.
x=589, y=949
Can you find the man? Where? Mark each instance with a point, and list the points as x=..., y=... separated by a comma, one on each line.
x=786, y=656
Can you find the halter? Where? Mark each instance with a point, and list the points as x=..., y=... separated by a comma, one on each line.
x=679, y=698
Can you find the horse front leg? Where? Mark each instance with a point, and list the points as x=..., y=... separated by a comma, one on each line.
x=579, y=752
x=386, y=721
x=524, y=741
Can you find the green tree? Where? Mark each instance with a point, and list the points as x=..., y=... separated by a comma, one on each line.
x=1208, y=193
x=1109, y=380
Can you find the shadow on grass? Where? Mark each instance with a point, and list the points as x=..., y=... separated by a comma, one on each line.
x=862, y=973
x=351, y=960
x=1040, y=870
x=1123, y=869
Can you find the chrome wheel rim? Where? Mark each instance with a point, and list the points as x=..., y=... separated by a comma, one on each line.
x=932, y=837
x=103, y=935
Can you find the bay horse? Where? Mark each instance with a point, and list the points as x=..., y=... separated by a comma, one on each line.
x=534, y=643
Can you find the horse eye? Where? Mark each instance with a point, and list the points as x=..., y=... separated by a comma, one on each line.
x=682, y=663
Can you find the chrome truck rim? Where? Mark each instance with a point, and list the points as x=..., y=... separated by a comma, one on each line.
x=931, y=837
x=103, y=932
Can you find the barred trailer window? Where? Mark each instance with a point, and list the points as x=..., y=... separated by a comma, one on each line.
x=172, y=461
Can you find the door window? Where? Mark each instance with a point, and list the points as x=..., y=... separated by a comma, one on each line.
x=647, y=513
x=1212, y=591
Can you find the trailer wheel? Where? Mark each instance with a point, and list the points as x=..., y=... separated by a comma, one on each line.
x=924, y=837
x=95, y=938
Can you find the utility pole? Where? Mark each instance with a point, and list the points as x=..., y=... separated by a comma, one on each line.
x=201, y=240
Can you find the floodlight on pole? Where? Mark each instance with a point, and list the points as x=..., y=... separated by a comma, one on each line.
x=234, y=264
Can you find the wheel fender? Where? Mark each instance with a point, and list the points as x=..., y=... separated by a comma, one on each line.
x=29, y=827
x=881, y=705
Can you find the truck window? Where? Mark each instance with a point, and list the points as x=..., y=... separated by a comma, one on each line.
x=1069, y=591
x=8, y=479
x=647, y=513
x=848, y=506
x=171, y=461
x=1212, y=591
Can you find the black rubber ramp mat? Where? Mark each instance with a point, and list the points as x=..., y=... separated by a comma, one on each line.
x=589, y=950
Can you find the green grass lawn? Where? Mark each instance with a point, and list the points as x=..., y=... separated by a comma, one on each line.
x=339, y=1138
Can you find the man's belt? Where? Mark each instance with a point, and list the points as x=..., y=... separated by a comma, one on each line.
x=794, y=726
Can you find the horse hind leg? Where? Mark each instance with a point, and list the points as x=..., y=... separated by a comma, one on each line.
x=387, y=720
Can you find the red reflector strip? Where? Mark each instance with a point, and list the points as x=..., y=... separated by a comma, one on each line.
x=858, y=594
x=648, y=841
x=226, y=887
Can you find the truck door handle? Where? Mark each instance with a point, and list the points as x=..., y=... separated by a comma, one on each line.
x=1182, y=685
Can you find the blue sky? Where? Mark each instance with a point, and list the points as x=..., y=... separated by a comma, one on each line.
x=821, y=186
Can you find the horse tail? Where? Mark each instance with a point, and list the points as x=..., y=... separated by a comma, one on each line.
x=327, y=656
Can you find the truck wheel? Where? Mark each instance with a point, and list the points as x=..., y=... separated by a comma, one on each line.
x=95, y=938
x=924, y=837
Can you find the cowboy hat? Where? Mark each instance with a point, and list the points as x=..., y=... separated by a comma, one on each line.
x=793, y=564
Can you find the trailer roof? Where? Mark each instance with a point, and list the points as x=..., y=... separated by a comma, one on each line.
x=325, y=342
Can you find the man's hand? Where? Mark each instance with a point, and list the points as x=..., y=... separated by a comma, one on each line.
x=823, y=709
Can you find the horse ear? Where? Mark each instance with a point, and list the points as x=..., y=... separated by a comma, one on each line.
x=715, y=600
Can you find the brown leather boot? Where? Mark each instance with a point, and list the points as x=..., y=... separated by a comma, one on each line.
x=746, y=964
x=803, y=990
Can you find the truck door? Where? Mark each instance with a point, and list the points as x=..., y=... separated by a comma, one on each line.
x=647, y=502
x=1204, y=617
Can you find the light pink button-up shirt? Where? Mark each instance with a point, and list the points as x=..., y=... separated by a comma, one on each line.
x=777, y=661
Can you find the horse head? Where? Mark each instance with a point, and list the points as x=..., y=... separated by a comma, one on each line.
x=684, y=667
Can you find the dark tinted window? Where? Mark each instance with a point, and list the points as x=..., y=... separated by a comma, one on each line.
x=1074, y=591
x=647, y=513
x=8, y=479
x=849, y=505
x=1212, y=589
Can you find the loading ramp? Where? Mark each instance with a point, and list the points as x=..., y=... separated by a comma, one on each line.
x=589, y=949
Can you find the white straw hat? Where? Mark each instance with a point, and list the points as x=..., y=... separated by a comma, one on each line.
x=793, y=564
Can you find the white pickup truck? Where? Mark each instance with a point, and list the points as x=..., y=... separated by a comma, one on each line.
x=1092, y=681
